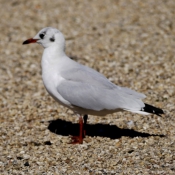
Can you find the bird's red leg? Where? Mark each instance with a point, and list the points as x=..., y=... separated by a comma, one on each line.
x=84, y=125
x=78, y=139
x=81, y=130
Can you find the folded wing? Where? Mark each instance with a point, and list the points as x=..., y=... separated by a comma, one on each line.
x=89, y=89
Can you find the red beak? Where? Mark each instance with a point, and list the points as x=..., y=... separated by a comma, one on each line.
x=31, y=40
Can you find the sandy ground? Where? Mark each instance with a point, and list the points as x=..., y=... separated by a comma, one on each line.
x=132, y=42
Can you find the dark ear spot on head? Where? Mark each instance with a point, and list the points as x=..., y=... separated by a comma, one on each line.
x=52, y=39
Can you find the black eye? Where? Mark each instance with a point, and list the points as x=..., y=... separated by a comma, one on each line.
x=42, y=35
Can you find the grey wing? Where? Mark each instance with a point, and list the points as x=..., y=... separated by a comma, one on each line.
x=96, y=98
x=133, y=93
x=85, y=95
x=91, y=77
x=87, y=75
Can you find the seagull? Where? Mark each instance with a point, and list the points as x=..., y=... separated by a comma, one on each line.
x=80, y=88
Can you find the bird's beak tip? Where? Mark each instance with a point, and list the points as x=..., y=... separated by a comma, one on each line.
x=25, y=42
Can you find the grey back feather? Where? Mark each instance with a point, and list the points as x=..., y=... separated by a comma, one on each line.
x=86, y=88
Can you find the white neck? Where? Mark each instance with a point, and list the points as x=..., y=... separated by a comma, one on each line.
x=53, y=54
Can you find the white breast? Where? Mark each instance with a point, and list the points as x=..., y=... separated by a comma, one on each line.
x=52, y=78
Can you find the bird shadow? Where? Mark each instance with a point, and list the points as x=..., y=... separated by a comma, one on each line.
x=66, y=128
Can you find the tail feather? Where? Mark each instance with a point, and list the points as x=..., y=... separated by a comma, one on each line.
x=153, y=110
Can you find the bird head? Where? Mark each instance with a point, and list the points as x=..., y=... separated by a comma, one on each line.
x=47, y=37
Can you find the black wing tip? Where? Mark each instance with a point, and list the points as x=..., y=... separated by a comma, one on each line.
x=153, y=110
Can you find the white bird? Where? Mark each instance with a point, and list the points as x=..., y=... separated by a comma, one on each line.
x=80, y=88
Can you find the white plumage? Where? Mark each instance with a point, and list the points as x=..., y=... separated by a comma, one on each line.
x=80, y=88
